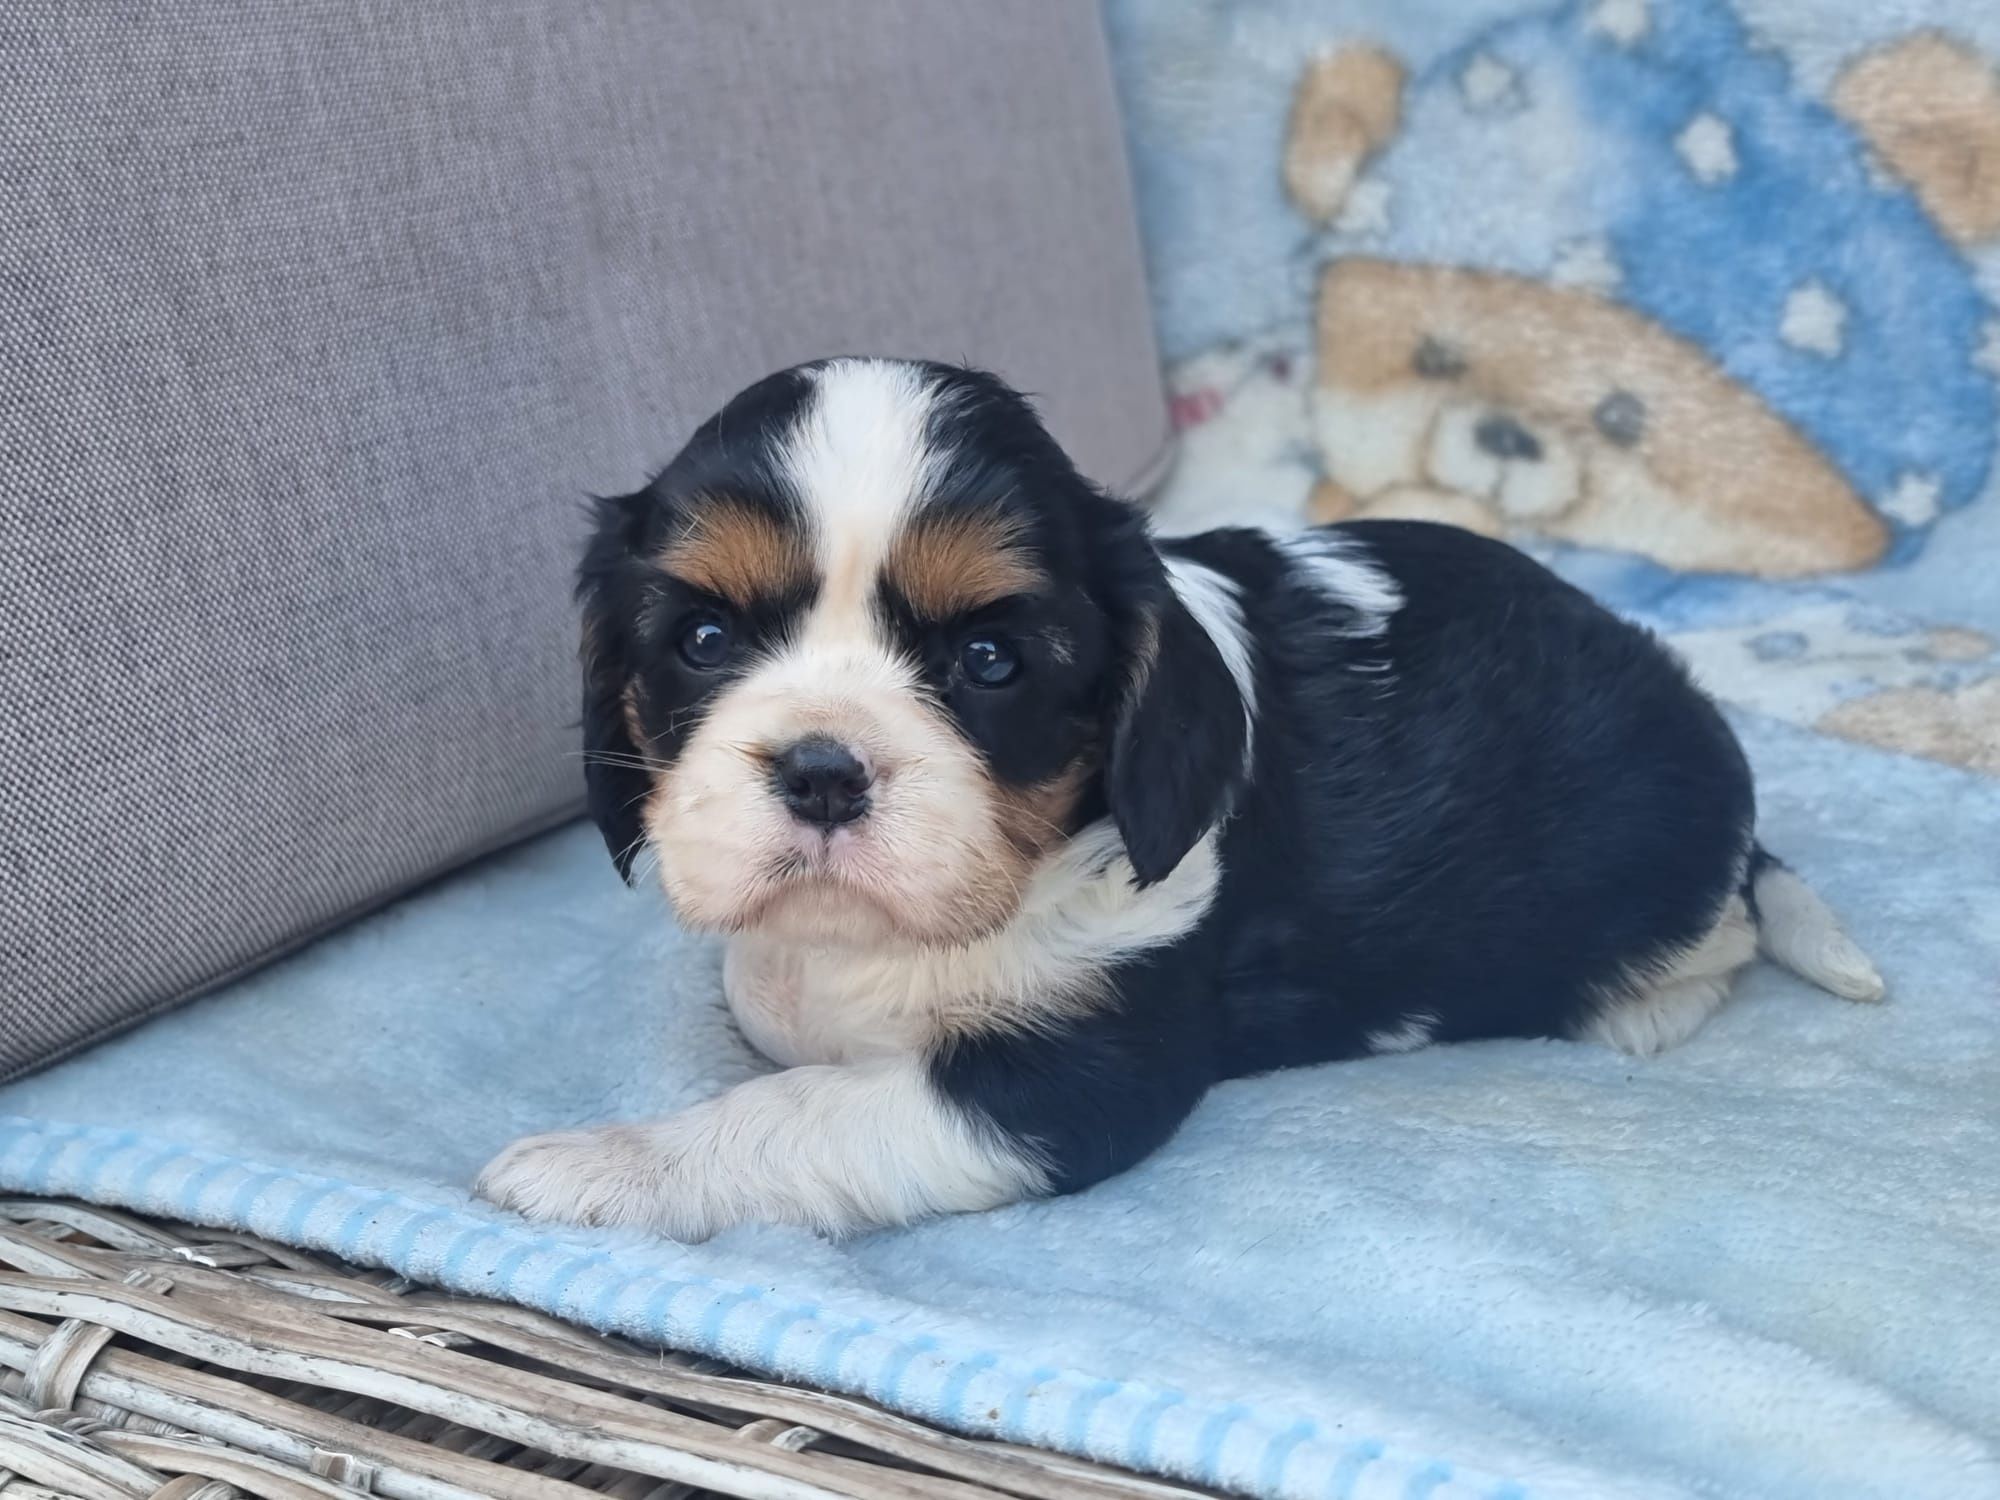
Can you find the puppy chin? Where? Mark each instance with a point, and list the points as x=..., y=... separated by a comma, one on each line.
x=827, y=914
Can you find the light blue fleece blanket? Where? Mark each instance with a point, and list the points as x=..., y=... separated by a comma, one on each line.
x=1766, y=1264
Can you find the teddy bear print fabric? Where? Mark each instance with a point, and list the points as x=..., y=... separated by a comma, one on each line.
x=1697, y=300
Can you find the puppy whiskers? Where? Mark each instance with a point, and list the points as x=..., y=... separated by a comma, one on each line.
x=627, y=761
x=633, y=849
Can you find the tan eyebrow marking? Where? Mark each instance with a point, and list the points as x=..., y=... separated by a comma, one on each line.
x=946, y=565
x=738, y=552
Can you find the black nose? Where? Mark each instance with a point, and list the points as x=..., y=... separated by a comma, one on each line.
x=1503, y=437
x=822, y=781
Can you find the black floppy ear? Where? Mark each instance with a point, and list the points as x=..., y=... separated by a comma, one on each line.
x=615, y=782
x=1177, y=741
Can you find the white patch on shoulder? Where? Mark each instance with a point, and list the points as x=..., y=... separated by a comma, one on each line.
x=837, y=1150
x=1216, y=604
x=1341, y=568
x=1814, y=321
x=1708, y=146
x=1416, y=1031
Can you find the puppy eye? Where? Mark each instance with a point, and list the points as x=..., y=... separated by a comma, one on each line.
x=988, y=661
x=705, y=642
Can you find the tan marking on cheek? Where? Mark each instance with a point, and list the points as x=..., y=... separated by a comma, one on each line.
x=1036, y=818
x=947, y=566
x=739, y=553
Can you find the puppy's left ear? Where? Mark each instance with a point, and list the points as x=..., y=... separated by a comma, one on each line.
x=1179, y=737
x=616, y=784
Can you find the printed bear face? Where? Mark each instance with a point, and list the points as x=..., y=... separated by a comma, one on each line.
x=1663, y=302
x=1557, y=409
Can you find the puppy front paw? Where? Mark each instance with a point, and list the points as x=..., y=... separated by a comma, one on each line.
x=614, y=1175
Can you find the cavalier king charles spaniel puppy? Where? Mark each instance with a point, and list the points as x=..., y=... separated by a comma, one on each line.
x=1025, y=827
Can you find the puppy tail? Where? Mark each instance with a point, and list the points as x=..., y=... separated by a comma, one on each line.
x=1800, y=932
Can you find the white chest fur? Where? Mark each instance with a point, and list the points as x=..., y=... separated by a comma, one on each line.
x=1081, y=914
x=802, y=1005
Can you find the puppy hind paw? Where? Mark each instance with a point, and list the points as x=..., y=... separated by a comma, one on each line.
x=1649, y=1024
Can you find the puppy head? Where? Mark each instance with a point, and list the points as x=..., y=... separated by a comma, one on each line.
x=870, y=648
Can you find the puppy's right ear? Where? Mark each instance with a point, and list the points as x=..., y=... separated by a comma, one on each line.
x=1178, y=724
x=616, y=783
x=1175, y=761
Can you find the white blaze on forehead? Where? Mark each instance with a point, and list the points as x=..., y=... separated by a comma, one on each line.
x=860, y=461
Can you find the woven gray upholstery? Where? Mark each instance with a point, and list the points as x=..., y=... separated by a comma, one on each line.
x=317, y=319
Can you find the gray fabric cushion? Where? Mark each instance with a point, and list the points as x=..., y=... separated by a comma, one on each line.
x=318, y=319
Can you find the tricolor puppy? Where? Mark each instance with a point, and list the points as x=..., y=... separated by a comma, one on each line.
x=1025, y=827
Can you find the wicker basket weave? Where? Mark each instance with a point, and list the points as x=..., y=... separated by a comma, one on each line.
x=141, y=1359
